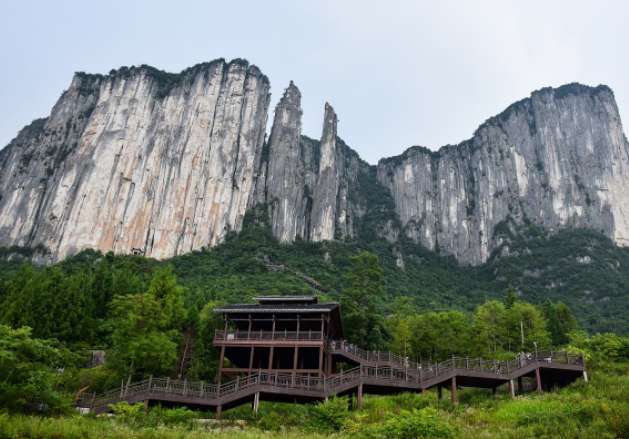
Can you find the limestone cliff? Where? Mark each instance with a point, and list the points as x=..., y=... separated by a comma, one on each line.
x=558, y=159
x=143, y=161
x=138, y=159
x=306, y=181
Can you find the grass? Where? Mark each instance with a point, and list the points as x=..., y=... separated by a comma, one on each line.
x=598, y=409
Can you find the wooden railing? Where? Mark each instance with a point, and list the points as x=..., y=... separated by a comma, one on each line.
x=398, y=371
x=269, y=335
x=436, y=368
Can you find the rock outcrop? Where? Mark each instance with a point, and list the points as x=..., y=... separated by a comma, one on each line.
x=558, y=159
x=138, y=161
x=143, y=161
x=306, y=181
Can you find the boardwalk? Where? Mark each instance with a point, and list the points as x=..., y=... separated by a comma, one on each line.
x=376, y=373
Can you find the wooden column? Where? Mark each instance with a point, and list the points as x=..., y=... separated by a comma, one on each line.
x=249, y=330
x=423, y=391
x=359, y=397
x=511, y=389
x=220, y=364
x=256, y=401
x=295, y=361
x=454, y=389
x=439, y=395
x=493, y=390
x=251, y=360
x=520, y=387
x=350, y=401
x=321, y=361
x=271, y=357
x=539, y=380
x=219, y=410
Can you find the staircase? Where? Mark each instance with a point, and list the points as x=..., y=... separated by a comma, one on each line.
x=384, y=374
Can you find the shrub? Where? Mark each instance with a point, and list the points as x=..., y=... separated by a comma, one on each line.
x=330, y=415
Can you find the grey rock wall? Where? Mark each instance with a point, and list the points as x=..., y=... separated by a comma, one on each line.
x=306, y=181
x=156, y=163
x=558, y=158
x=148, y=162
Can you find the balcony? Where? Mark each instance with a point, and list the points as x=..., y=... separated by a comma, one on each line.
x=237, y=336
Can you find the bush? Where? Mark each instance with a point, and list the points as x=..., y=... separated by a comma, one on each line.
x=330, y=415
x=418, y=423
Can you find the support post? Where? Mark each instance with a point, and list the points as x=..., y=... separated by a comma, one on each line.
x=321, y=360
x=201, y=389
x=251, y=360
x=249, y=329
x=538, y=376
x=493, y=390
x=350, y=402
x=359, y=397
x=94, y=397
x=423, y=391
x=256, y=401
x=511, y=389
x=220, y=363
x=271, y=357
x=520, y=387
x=150, y=383
x=585, y=376
x=454, y=389
x=219, y=410
x=439, y=394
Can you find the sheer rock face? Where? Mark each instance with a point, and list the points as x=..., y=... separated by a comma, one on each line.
x=134, y=161
x=148, y=162
x=306, y=181
x=558, y=159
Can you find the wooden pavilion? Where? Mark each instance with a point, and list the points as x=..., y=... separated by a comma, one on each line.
x=281, y=334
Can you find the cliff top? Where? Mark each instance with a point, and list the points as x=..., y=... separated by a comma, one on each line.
x=562, y=92
x=167, y=80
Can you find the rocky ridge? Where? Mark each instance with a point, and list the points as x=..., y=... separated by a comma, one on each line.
x=142, y=161
x=558, y=159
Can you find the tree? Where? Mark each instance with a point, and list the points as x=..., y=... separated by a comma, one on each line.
x=146, y=328
x=561, y=322
x=489, y=328
x=511, y=298
x=527, y=321
x=27, y=370
x=361, y=302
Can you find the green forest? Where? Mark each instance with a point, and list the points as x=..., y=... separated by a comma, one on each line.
x=141, y=311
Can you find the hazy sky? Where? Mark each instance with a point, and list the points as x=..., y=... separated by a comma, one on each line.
x=398, y=73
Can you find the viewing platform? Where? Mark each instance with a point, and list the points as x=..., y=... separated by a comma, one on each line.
x=291, y=349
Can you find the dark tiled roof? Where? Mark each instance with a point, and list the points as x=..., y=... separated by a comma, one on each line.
x=286, y=298
x=309, y=307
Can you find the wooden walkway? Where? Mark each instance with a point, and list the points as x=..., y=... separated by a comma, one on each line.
x=379, y=373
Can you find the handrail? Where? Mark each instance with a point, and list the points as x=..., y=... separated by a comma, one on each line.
x=268, y=335
x=417, y=374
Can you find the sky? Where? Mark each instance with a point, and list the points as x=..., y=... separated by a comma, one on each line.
x=398, y=73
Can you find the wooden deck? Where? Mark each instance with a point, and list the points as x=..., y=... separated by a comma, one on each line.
x=382, y=373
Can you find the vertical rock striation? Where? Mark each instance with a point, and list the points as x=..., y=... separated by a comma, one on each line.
x=324, y=209
x=558, y=159
x=145, y=161
x=306, y=181
x=138, y=159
